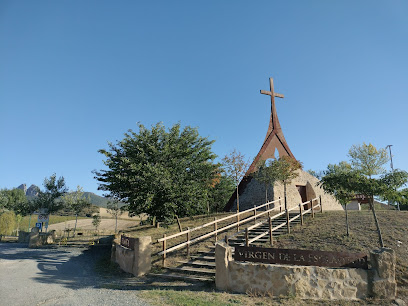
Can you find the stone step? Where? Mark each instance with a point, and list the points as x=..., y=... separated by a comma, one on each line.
x=206, y=253
x=182, y=277
x=193, y=270
x=197, y=263
x=207, y=258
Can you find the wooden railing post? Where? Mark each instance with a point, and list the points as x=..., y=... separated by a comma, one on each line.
x=237, y=221
x=280, y=205
x=287, y=220
x=255, y=214
x=311, y=205
x=301, y=214
x=215, y=229
x=164, y=251
x=188, y=242
x=320, y=201
x=246, y=237
x=270, y=229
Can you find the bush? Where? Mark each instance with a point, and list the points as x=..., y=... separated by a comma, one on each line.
x=7, y=223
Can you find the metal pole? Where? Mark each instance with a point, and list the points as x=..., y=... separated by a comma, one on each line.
x=301, y=214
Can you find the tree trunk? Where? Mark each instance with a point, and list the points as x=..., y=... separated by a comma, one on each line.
x=347, y=223
x=371, y=203
x=76, y=221
x=179, y=224
x=284, y=193
x=116, y=223
x=237, y=199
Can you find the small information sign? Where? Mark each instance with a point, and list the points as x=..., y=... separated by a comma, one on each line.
x=127, y=242
x=43, y=217
x=301, y=257
x=39, y=225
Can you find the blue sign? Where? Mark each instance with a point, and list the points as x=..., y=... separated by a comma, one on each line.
x=39, y=225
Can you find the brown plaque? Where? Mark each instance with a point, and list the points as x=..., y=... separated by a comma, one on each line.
x=127, y=242
x=301, y=257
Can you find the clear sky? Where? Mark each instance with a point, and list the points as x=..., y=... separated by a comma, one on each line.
x=77, y=74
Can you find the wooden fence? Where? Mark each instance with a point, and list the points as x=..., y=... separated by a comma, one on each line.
x=257, y=213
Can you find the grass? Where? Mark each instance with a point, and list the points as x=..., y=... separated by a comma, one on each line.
x=326, y=232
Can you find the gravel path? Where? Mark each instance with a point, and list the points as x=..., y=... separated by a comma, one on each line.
x=55, y=276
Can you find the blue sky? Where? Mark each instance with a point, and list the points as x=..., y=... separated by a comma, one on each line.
x=77, y=74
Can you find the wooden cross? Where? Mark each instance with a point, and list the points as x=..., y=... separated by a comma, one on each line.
x=271, y=92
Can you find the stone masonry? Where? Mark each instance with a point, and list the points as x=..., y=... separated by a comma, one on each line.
x=307, y=282
x=255, y=193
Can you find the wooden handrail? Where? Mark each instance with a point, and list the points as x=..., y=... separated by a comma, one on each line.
x=218, y=230
x=216, y=221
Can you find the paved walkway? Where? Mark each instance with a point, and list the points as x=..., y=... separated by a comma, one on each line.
x=55, y=276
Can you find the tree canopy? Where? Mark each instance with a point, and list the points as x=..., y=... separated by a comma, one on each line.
x=345, y=180
x=161, y=173
x=49, y=198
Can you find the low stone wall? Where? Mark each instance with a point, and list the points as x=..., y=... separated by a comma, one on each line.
x=137, y=261
x=307, y=282
x=37, y=239
x=23, y=237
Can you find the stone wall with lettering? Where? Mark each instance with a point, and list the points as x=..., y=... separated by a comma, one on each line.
x=254, y=193
x=307, y=282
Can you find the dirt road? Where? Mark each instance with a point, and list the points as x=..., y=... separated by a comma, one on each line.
x=86, y=224
x=55, y=276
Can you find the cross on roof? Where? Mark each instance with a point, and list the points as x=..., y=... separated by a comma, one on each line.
x=271, y=92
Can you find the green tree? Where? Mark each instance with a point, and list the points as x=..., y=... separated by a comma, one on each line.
x=76, y=202
x=113, y=208
x=366, y=162
x=283, y=170
x=220, y=192
x=3, y=200
x=235, y=166
x=330, y=182
x=49, y=198
x=368, y=159
x=165, y=174
x=17, y=202
x=96, y=220
x=7, y=223
x=264, y=176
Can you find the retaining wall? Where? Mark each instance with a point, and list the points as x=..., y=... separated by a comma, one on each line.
x=307, y=282
x=136, y=261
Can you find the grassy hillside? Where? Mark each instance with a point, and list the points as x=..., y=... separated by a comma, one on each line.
x=96, y=200
x=326, y=232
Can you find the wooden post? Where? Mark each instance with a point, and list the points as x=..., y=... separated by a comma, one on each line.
x=237, y=221
x=287, y=221
x=280, y=205
x=215, y=229
x=311, y=205
x=320, y=201
x=188, y=241
x=301, y=214
x=255, y=214
x=246, y=238
x=270, y=229
x=164, y=251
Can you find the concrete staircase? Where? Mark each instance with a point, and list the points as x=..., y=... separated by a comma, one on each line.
x=201, y=265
